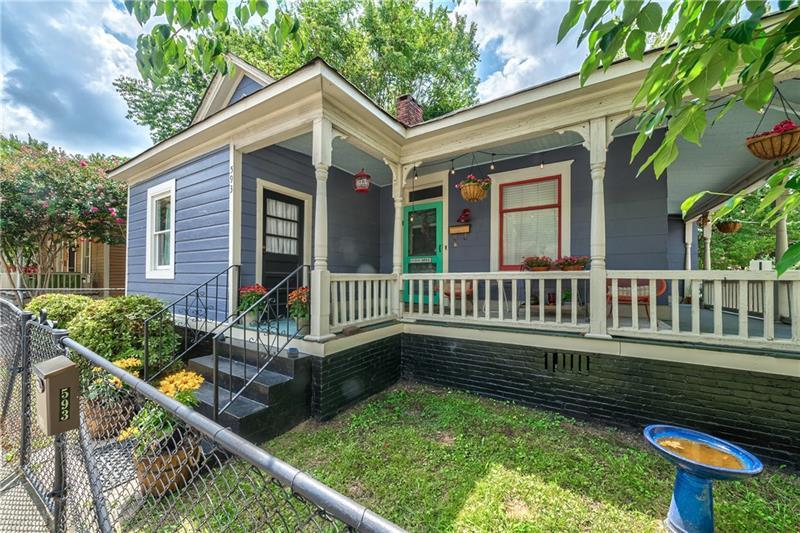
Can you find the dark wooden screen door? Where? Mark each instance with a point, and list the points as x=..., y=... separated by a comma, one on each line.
x=283, y=237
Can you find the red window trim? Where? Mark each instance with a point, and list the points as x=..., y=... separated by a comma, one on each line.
x=502, y=212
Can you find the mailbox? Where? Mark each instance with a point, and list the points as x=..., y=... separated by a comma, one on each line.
x=57, y=395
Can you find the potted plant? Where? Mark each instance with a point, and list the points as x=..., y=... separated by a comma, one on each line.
x=474, y=189
x=781, y=141
x=728, y=225
x=298, y=306
x=108, y=404
x=165, y=454
x=572, y=262
x=249, y=295
x=537, y=264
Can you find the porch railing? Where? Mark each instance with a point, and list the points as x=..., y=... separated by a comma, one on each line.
x=361, y=299
x=692, y=321
x=545, y=300
x=61, y=280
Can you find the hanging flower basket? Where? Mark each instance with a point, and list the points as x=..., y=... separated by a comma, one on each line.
x=572, y=262
x=537, y=264
x=474, y=189
x=782, y=141
x=729, y=226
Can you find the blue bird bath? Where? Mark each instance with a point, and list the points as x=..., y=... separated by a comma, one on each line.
x=700, y=459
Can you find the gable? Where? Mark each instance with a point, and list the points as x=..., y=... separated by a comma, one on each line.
x=247, y=86
x=242, y=80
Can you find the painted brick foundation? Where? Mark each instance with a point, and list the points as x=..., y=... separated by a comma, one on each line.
x=344, y=378
x=759, y=411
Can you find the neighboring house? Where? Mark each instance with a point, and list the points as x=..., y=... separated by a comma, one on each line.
x=83, y=265
x=263, y=178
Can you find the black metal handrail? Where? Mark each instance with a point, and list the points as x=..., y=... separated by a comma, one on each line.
x=195, y=301
x=263, y=342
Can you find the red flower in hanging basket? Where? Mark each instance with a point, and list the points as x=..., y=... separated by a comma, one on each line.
x=362, y=182
x=781, y=141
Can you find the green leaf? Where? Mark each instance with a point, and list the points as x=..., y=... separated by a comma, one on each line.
x=772, y=195
x=262, y=7
x=696, y=125
x=667, y=153
x=630, y=9
x=687, y=204
x=649, y=18
x=220, y=10
x=635, y=44
x=184, y=12
x=790, y=259
x=588, y=67
x=757, y=94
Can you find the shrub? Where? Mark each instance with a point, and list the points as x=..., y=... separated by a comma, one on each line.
x=61, y=308
x=114, y=328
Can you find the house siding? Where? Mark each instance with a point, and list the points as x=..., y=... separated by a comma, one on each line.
x=353, y=219
x=246, y=87
x=201, y=228
x=636, y=209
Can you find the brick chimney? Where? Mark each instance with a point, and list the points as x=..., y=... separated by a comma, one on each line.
x=409, y=111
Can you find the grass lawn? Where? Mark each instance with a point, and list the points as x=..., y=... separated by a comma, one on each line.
x=432, y=459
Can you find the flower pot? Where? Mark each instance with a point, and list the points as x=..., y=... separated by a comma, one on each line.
x=539, y=269
x=573, y=268
x=161, y=473
x=775, y=145
x=105, y=419
x=729, y=226
x=302, y=323
x=472, y=192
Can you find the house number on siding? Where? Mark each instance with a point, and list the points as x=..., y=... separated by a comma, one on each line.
x=63, y=404
x=230, y=180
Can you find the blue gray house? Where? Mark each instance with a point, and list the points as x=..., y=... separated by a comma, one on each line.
x=405, y=282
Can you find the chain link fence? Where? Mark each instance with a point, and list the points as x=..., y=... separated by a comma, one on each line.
x=141, y=460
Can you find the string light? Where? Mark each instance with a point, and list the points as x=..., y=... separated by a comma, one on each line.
x=541, y=163
x=452, y=167
x=416, y=176
x=491, y=166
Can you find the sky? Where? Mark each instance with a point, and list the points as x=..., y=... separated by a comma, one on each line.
x=58, y=59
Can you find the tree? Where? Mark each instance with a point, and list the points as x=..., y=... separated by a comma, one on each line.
x=193, y=35
x=166, y=108
x=385, y=49
x=51, y=198
x=710, y=44
x=753, y=241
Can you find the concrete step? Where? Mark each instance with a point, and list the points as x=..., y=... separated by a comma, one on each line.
x=234, y=375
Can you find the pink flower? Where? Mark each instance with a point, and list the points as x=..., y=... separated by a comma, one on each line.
x=112, y=211
x=83, y=163
x=45, y=205
x=94, y=209
x=119, y=220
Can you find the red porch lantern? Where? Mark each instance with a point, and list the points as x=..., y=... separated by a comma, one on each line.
x=362, y=182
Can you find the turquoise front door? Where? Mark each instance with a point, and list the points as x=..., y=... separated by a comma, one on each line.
x=422, y=244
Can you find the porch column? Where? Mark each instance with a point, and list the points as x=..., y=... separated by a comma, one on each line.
x=688, y=238
x=781, y=245
x=599, y=139
x=106, y=268
x=322, y=146
x=707, y=242
x=397, y=244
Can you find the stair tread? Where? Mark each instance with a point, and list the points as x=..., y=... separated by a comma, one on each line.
x=240, y=408
x=240, y=370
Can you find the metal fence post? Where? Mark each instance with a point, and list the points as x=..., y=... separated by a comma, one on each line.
x=25, y=389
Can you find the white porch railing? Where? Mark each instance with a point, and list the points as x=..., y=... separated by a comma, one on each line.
x=360, y=299
x=734, y=308
x=692, y=321
x=545, y=300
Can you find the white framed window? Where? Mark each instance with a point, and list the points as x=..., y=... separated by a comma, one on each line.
x=530, y=214
x=160, y=241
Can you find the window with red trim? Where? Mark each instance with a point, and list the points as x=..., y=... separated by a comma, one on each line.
x=530, y=220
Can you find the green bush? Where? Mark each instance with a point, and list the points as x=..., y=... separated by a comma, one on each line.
x=114, y=329
x=61, y=308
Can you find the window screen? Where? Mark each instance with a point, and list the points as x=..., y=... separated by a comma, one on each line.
x=282, y=228
x=530, y=216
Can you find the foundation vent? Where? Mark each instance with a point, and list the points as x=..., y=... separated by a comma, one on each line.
x=573, y=363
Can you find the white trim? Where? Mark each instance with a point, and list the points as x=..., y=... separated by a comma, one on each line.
x=234, y=219
x=127, y=239
x=86, y=262
x=562, y=168
x=156, y=193
x=261, y=185
x=427, y=181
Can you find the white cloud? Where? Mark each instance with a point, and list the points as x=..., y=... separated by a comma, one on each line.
x=518, y=38
x=57, y=63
